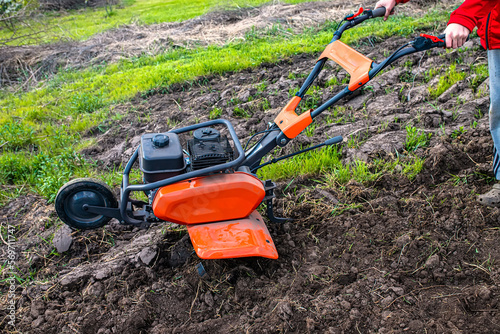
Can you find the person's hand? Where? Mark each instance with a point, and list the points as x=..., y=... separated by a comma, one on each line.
x=389, y=6
x=456, y=35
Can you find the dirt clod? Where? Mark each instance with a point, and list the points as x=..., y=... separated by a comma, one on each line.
x=432, y=262
x=62, y=239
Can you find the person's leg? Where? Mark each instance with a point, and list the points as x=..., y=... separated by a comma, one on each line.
x=492, y=198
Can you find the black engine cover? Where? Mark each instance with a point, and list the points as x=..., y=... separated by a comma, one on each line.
x=208, y=148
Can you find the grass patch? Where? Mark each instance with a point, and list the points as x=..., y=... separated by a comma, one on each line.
x=482, y=73
x=242, y=113
x=215, y=113
x=83, y=23
x=43, y=127
x=327, y=161
x=446, y=81
x=416, y=138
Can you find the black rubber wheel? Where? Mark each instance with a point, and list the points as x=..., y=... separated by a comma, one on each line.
x=74, y=194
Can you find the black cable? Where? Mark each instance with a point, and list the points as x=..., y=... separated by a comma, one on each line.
x=338, y=25
x=389, y=59
x=258, y=133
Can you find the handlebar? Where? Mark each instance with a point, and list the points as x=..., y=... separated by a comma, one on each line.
x=379, y=12
x=355, y=19
x=443, y=43
x=277, y=137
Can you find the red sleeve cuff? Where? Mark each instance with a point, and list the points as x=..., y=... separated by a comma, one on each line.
x=463, y=20
x=401, y=1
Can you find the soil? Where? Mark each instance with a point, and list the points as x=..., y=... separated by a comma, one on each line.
x=397, y=256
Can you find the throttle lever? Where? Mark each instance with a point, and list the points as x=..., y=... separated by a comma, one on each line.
x=435, y=39
x=426, y=42
x=352, y=16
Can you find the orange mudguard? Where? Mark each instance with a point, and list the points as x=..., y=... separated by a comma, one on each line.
x=211, y=198
x=231, y=239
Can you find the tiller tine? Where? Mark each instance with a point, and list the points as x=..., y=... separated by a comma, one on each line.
x=233, y=238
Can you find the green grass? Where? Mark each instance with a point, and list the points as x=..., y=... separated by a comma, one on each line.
x=446, y=81
x=83, y=23
x=241, y=113
x=416, y=138
x=41, y=130
x=215, y=113
x=328, y=162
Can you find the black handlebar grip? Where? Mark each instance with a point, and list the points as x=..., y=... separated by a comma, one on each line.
x=379, y=12
x=443, y=43
x=334, y=140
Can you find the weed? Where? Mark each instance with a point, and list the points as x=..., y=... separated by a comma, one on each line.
x=313, y=100
x=451, y=77
x=455, y=113
x=429, y=74
x=332, y=82
x=14, y=135
x=479, y=114
x=240, y=112
x=458, y=180
x=215, y=113
x=407, y=76
x=262, y=87
x=340, y=208
x=442, y=129
x=357, y=140
x=292, y=91
x=265, y=105
x=413, y=167
x=458, y=132
x=310, y=163
x=310, y=130
x=383, y=127
x=481, y=72
x=234, y=101
x=416, y=138
x=171, y=123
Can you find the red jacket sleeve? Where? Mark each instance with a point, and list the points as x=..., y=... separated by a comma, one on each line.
x=472, y=11
x=401, y=1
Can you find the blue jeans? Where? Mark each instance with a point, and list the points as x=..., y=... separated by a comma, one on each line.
x=494, y=69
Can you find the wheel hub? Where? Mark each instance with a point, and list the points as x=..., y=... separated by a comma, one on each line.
x=74, y=205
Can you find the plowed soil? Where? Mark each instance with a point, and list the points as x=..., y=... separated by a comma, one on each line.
x=405, y=256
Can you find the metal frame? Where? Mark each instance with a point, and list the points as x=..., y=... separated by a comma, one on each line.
x=251, y=160
x=126, y=189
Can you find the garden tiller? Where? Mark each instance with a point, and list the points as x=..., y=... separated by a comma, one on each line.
x=200, y=175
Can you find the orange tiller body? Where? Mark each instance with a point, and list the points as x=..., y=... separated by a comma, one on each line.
x=219, y=211
x=211, y=198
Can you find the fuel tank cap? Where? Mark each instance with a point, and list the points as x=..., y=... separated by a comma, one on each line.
x=160, y=140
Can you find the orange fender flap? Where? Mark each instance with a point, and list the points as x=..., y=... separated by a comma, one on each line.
x=233, y=238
